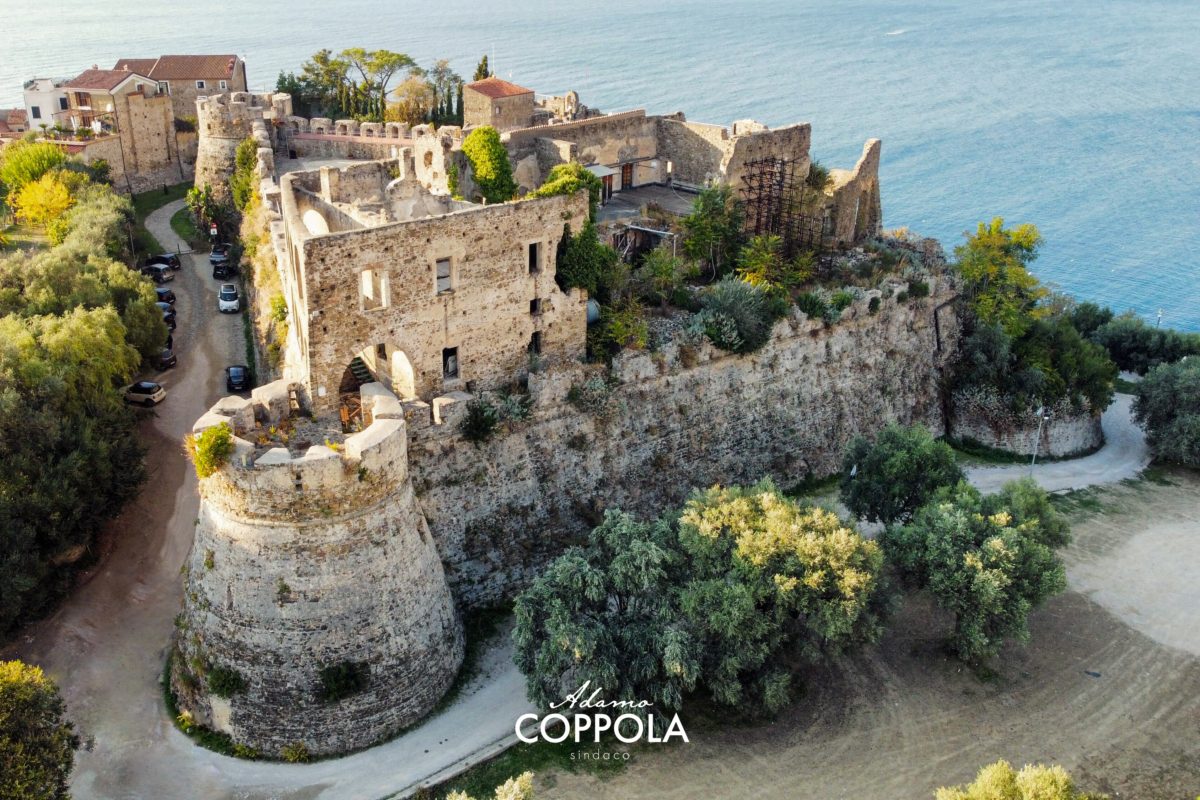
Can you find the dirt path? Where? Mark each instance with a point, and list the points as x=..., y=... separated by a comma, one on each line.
x=1093, y=691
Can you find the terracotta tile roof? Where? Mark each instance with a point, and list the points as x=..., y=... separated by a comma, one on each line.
x=142, y=65
x=182, y=68
x=101, y=79
x=495, y=87
x=15, y=116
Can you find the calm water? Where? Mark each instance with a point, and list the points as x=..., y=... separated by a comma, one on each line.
x=1081, y=116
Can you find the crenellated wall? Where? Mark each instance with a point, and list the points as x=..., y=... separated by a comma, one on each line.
x=690, y=416
x=223, y=121
x=306, y=558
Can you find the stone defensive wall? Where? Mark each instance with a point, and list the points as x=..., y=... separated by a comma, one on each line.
x=312, y=558
x=984, y=418
x=223, y=121
x=687, y=416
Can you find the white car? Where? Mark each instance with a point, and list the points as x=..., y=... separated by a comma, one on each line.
x=228, y=300
x=145, y=393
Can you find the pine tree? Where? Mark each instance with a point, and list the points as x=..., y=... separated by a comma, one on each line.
x=482, y=71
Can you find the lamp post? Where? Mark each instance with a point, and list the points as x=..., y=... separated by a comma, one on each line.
x=1042, y=415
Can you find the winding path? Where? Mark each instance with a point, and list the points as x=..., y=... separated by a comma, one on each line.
x=105, y=646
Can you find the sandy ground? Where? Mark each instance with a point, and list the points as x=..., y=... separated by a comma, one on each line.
x=1107, y=687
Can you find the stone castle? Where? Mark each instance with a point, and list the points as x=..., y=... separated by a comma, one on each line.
x=355, y=520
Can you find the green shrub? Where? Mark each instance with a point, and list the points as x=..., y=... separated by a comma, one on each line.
x=888, y=478
x=225, y=682
x=241, y=182
x=918, y=289
x=569, y=178
x=593, y=396
x=873, y=306
x=621, y=326
x=587, y=263
x=737, y=316
x=490, y=168
x=279, y=308
x=295, y=753
x=480, y=421
x=841, y=300
x=812, y=305
x=211, y=449
x=341, y=680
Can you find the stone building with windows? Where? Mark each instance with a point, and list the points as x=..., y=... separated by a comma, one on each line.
x=434, y=296
x=503, y=105
x=184, y=78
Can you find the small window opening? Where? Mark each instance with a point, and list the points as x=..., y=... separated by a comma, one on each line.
x=535, y=257
x=199, y=84
x=374, y=289
x=450, y=362
x=444, y=283
x=535, y=306
x=535, y=343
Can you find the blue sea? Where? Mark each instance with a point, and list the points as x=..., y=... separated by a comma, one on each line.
x=1081, y=116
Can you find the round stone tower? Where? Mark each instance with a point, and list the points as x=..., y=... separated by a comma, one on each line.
x=223, y=121
x=316, y=610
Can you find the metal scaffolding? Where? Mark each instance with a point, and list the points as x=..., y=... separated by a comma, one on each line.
x=774, y=197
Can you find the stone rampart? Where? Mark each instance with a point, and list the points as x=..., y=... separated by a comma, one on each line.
x=985, y=419
x=689, y=416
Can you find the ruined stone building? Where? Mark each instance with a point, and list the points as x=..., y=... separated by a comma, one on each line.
x=355, y=519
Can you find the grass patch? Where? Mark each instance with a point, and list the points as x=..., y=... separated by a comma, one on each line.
x=1122, y=386
x=185, y=228
x=482, y=779
x=970, y=451
x=1078, y=501
x=143, y=205
x=813, y=486
x=23, y=238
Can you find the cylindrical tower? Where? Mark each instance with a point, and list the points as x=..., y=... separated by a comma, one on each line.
x=223, y=121
x=316, y=609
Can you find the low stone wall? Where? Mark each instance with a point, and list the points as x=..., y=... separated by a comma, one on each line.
x=689, y=416
x=310, y=145
x=1067, y=432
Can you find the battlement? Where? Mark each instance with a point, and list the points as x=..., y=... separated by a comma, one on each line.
x=231, y=116
x=277, y=471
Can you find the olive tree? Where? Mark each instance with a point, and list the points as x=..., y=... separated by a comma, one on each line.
x=988, y=560
x=1168, y=407
x=888, y=479
x=37, y=744
x=722, y=599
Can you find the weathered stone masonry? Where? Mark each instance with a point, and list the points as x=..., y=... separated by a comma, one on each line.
x=499, y=512
x=314, y=560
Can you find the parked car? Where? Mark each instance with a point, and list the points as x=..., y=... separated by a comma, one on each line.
x=224, y=271
x=167, y=260
x=145, y=393
x=165, y=295
x=220, y=254
x=165, y=360
x=170, y=345
x=158, y=272
x=166, y=309
x=237, y=378
x=169, y=322
x=228, y=300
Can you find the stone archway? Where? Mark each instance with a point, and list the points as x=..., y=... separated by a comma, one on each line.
x=383, y=363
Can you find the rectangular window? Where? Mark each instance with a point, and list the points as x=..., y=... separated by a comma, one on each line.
x=450, y=362
x=535, y=257
x=164, y=87
x=63, y=105
x=444, y=281
x=373, y=289
x=139, y=88
x=36, y=111
x=224, y=85
x=199, y=84
x=535, y=306
x=535, y=343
